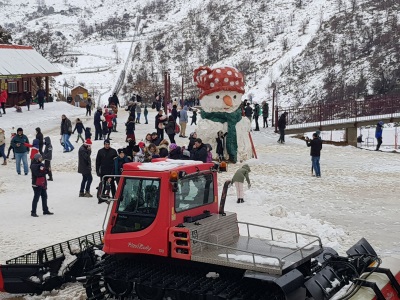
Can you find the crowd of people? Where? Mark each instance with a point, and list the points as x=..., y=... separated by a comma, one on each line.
x=160, y=143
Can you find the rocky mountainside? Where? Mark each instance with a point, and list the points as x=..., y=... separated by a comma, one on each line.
x=310, y=49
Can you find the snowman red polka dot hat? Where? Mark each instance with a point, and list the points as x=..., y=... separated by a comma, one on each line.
x=218, y=79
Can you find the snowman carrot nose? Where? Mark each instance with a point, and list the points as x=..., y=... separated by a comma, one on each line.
x=227, y=100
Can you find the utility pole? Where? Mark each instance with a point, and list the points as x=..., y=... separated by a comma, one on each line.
x=273, y=86
x=167, y=89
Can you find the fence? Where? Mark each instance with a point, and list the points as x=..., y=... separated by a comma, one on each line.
x=336, y=112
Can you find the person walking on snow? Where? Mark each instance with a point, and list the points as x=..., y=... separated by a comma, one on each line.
x=79, y=128
x=378, y=134
x=3, y=100
x=66, y=130
x=39, y=185
x=40, y=94
x=315, y=152
x=282, y=126
x=85, y=168
x=238, y=180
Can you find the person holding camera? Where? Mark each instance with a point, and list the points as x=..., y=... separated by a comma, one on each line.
x=315, y=152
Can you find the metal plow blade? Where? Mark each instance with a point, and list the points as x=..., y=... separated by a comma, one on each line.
x=360, y=276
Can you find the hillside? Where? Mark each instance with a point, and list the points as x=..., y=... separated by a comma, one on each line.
x=311, y=49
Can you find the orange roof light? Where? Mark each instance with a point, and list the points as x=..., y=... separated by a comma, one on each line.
x=173, y=176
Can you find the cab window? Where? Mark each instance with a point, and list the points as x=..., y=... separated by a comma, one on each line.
x=194, y=191
x=137, y=205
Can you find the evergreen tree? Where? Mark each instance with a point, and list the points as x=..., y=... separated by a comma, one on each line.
x=5, y=36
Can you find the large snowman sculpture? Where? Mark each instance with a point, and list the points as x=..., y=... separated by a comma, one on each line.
x=222, y=89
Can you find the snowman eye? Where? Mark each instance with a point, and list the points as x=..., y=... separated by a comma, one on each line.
x=234, y=97
x=217, y=96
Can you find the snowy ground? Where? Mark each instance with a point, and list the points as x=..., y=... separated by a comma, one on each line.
x=356, y=196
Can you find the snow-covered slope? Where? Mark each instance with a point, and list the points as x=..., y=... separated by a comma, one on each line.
x=297, y=44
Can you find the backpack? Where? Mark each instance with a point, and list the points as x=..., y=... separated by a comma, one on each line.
x=153, y=106
x=177, y=128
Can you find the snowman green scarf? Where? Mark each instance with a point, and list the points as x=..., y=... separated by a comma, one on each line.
x=231, y=119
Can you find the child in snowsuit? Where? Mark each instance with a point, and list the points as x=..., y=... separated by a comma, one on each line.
x=220, y=145
x=79, y=128
x=194, y=118
x=238, y=179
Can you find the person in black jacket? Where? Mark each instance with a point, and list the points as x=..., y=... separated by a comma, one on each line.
x=199, y=151
x=79, y=128
x=282, y=126
x=85, y=168
x=170, y=129
x=256, y=115
x=315, y=152
x=130, y=129
x=97, y=124
x=39, y=136
x=48, y=156
x=88, y=133
x=248, y=111
x=39, y=185
x=174, y=112
x=105, y=164
x=66, y=131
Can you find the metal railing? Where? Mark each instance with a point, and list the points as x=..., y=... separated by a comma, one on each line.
x=336, y=112
x=280, y=260
x=59, y=250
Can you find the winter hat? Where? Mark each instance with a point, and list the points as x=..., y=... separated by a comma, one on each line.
x=19, y=129
x=120, y=150
x=172, y=146
x=88, y=142
x=99, y=108
x=141, y=145
x=380, y=123
x=219, y=79
x=192, y=134
x=37, y=156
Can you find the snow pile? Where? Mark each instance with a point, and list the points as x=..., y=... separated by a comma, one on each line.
x=257, y=259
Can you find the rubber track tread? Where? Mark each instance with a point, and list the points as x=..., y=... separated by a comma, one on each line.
x=184, y=280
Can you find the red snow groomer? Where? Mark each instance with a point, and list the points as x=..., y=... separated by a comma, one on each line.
x=168, y=236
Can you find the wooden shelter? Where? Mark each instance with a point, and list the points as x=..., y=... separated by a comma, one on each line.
x=22, y=70
x=79, y=92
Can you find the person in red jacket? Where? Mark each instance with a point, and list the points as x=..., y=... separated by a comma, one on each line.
x=3, y=100
x=109, y=119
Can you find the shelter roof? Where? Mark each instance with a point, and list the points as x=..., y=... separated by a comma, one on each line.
x=24, y=60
